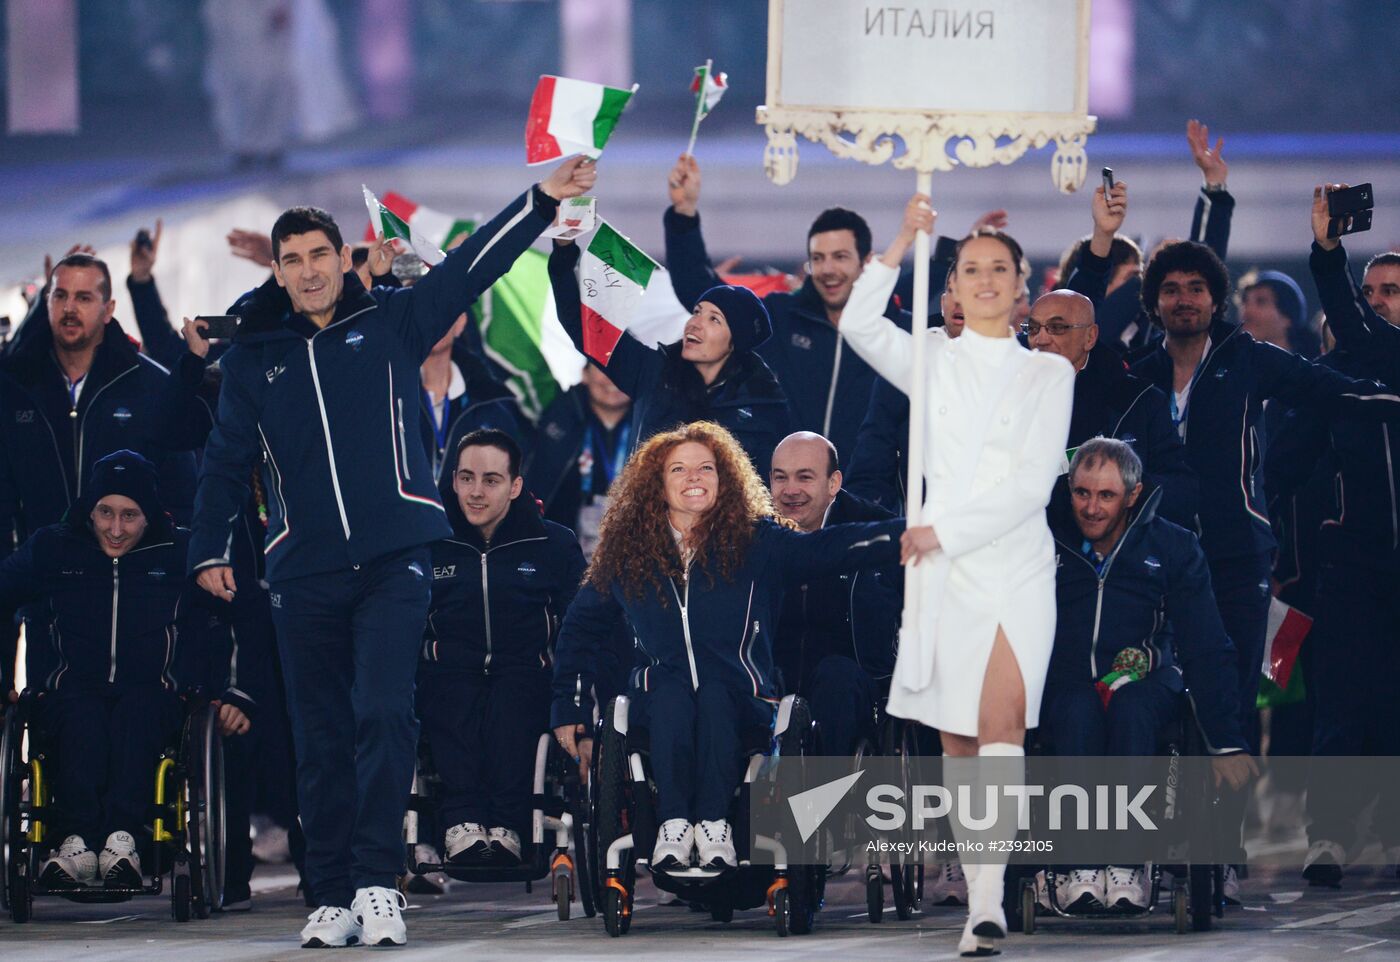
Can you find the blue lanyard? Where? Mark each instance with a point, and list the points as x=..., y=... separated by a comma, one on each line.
x=73, y=388
x=1093, y=557
x=439, y=429
x=1179, y=416
x=593, y=447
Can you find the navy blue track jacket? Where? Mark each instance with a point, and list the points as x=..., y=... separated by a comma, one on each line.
x=116, y=623
x=331, y=411
x=497, y=606
x=48, y=444
x=745, y=399
x=1365, y=525
x=827, y=384
x=1153, y=593
x=1222, y=423
x=854, y=613
x=708, y=629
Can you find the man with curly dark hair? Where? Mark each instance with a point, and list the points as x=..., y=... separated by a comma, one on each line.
x=1217, y=378
x=692, y=552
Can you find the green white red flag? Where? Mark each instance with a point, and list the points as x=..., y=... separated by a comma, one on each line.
x=428, y=232
x=570, y=117
x=708, y=87
x=613, y=274
x=1287, y=627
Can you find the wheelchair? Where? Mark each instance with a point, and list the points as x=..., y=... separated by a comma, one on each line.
x=890, y=737
x=624, y=823
x=1197, y=890
x=187, y=816
x=560, y=816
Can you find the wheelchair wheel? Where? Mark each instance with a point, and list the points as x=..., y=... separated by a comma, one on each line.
x=10, y=792
x=1028, y=906
x=782, y=912
x=181, y=898
x=585, y=846
x=563, y=893
x=1181, y=909
x=1203, y=890
x=212, y=829
x=874, y=894
x=21, y=899
x=903, y=887
x=617, y=911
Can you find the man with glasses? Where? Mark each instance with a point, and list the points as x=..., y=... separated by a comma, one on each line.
x=1109, y=402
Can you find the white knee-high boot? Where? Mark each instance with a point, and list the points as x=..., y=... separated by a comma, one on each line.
x=985, y=914
x=957, y=772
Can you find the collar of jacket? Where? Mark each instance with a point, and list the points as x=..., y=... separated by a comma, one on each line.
x=267, y=310
x=745, y=375
x=1160, y=362
x=522, y=519
x=33, y=360
x=77, y=526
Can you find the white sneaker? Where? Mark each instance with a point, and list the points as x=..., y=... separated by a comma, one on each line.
x=1125, y=889
x=1232, y=886
x=119, y=864
x=674, y=842
x=73, y=864
x=949, y=886
x=467, y=843
x=505, y=846
x=714, y=844
x=330, y=927
x=1082, y=888
x=376, y=909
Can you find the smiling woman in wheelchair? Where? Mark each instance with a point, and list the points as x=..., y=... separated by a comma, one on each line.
x=693, y=554
x=128, y=631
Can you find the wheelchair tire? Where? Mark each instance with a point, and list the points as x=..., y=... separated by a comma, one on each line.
x=10, y=791
x=1203, y=895
x=782, y=912
x=212, y=828
x=563, y=894
x=874, y=894
x=21, y=899
x=617, y=912
x=1181, y=909
x=181, y=898
x=585, y=848
x=803, y=901
x=611, y=778
x=1028, y=906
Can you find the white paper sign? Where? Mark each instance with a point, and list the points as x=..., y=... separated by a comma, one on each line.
x=980, y=56
x=577, y=215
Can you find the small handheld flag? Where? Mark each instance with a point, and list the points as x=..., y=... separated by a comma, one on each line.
x=708, y=87
x=571, y=117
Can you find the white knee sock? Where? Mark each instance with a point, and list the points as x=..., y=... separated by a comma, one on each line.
x=1011, y=770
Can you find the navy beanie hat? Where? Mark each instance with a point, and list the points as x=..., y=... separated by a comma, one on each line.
x=744, y=312
x=128, y=474
x=1287, y=294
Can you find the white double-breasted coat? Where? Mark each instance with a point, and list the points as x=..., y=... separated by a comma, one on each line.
x=997, y=420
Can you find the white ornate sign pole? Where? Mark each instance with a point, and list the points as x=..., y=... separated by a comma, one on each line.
x=997, y=76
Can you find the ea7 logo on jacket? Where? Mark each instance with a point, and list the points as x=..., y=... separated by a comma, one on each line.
x=272, y=372
x=355, y=340
x=24, y=417
x=444, y=571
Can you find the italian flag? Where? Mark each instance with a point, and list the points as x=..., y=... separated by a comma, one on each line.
x=428, y=232
x=708, y=87
x=1287, y=627
x=613, y=275
x=570, y=117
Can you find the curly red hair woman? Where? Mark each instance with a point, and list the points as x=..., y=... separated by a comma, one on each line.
x=693, y=556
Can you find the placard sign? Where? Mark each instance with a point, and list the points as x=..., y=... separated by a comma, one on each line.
x=1001, y=75
x=1025, y=56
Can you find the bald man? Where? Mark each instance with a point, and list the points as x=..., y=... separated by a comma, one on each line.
x=836, y=637
x=1110, y=402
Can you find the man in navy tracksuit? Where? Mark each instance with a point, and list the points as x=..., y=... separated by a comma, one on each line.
x=837, y=634
x=827, y=384
x=501, y=585
x=322, y=381
x=1355, y=656
x=73, y=389
x=1217, y=377
x=1117, y=671
x=129, y=630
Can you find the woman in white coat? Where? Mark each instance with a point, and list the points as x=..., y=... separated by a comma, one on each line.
x=997, y=419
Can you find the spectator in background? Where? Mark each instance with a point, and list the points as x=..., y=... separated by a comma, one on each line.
x=827, y=385
x=582, y=443
x=1273, y=310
